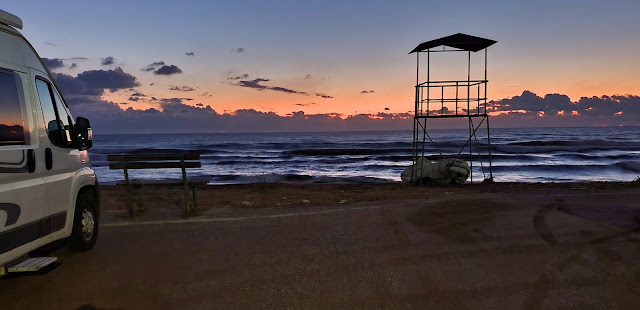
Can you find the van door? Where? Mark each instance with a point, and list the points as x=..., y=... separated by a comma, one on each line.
x=62, y=160
x=23, y=207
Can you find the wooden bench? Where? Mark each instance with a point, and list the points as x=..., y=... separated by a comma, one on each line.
x=157, y=161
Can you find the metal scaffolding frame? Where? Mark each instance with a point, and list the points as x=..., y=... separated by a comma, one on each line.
x=470, y=102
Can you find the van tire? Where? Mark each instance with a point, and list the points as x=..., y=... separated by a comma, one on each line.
x=85, y=223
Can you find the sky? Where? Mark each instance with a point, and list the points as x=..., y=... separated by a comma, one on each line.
x=330, y=65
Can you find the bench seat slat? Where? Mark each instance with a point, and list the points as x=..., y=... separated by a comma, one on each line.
x=132, y=158
x=154, y=165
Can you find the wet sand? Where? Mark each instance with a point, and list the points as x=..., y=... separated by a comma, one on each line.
x=358, y=246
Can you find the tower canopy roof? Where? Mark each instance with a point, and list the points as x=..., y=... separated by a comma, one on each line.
x=461, y=41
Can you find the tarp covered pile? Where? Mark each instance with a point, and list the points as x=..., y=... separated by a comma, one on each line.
x=442, y=172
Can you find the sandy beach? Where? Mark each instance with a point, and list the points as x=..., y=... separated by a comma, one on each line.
x=356, y=246
x=274, y=195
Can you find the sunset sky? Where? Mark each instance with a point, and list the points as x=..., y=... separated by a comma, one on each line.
x=325, y=57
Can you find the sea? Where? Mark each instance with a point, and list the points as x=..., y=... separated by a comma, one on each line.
x=517, y=155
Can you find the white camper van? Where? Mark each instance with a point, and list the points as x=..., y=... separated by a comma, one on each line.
x=48, y=190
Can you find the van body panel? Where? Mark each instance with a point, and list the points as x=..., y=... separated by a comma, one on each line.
x=82, y=178
x=23, y=204
x=17, y=50
x=60, y=181
x=36, y=204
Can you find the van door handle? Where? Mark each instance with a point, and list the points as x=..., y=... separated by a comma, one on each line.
x=31, y=161
x=48, y=158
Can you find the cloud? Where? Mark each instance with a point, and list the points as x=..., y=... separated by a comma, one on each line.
x=109, y=79
x=53, y=63
x=240, y=77
x=84, y=94
x=367, y=92
x=137, y=96
x=107, y=61
x=324, y=96
x=555, y=104
x=183, y=88
x=386, y=109
x=190, y=53
x=167, y=70
x=176, y=116
x=206, y=94
x=87, y=87
x=305, y=104
x=307, y=77
x=172, y=101
x=286, y=90
x=79, y=58
x=49, y=43
x=442, y=111
x=255, y=84
x=73, y=66
x=238, y=50
x=153, y=66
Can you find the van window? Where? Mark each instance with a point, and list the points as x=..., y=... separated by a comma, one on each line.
x=11, y=119
x=57, y=128
x=65, y=120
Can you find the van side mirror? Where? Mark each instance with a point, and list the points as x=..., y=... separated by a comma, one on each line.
x=84, y=141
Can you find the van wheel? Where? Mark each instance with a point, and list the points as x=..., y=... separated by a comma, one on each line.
x=85, y=223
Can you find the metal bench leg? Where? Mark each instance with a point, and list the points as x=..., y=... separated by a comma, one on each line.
x=140, y=203
x=126, y=179
x=195, y=198
x=186, y=185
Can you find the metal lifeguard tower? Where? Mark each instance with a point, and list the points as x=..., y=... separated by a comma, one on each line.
x=458, y=98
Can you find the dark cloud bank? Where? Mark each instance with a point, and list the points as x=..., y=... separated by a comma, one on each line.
x=531, y=110
x=160, y=68
x=167, y=70
x=52, y=63
x=257, y=85
x=83, y=93
x=107, y=61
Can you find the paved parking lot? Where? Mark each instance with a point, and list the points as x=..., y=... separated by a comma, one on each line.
x=486, y=251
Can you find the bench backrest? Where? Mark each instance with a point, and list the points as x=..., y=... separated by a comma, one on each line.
x=154, y=161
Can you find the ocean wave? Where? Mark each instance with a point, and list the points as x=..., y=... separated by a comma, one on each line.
x=627, y=166
x=582, y=156
x=633, y=166
x=136, y=151
x=578, y=145
x=345, y=151
x=294, y=178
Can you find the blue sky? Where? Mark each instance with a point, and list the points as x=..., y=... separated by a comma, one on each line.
x=335, y=48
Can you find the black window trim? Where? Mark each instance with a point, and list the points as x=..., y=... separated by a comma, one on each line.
x=55, y=109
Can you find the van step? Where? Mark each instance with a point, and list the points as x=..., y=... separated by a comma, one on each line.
x=31, y=264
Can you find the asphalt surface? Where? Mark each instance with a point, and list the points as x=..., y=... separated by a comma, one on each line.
x=487, y=251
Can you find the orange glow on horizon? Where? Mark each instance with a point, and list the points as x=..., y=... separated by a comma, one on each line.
x=389, y=97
